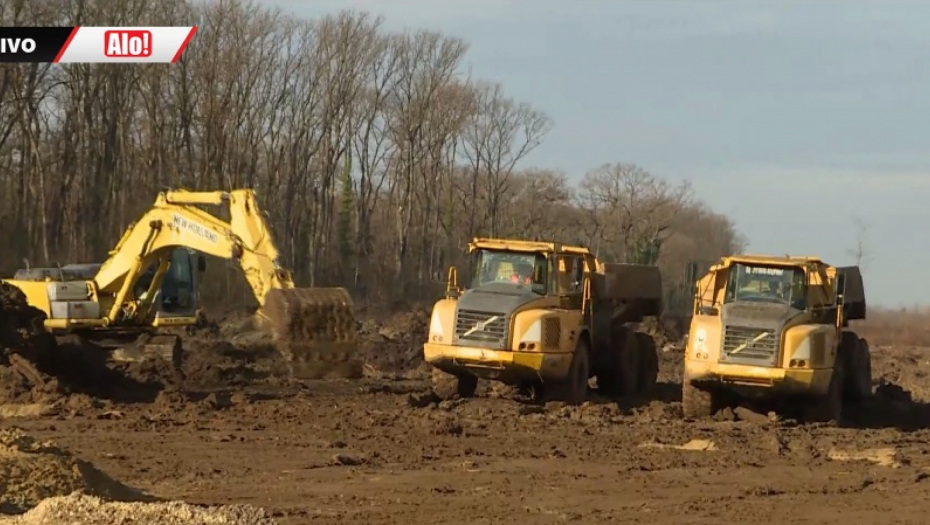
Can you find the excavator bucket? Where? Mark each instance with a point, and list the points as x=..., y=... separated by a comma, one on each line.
x=315, y=331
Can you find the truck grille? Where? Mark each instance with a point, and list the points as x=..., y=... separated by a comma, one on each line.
x=491, y=326
x=764, y=349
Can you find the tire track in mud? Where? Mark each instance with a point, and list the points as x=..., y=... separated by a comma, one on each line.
x=381, y=449
x=355, y=451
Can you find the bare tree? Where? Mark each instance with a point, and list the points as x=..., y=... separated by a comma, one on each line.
x=498, y=136
x=375, y=154
x=630, y=209
x=859, y=251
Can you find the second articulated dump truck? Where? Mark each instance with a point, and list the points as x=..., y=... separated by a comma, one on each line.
x=776, y=329
x=548, y=317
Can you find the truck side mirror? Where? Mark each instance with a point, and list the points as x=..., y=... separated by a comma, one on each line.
x=452, y=283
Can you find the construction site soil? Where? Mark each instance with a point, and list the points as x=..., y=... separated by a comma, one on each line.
x=233, y=440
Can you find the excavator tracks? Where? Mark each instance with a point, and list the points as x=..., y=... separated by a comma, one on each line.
x=167, y=347
x=315, y=331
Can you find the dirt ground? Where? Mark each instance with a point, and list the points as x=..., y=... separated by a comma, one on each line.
x=381, y=450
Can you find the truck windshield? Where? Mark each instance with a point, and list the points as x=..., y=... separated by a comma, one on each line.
x=767, y=284
x=517, y=271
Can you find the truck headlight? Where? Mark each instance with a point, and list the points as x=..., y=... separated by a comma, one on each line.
x=801, y=357
x=531, y=337
x=436, y=333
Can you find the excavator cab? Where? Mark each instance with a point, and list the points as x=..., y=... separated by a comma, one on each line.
x=178, y=294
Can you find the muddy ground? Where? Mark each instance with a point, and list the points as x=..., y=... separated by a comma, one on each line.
x=380, y=450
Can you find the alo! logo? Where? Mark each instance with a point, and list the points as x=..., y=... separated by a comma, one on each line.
x=125, y=43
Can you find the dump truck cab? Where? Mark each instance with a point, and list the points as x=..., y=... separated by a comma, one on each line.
x=776, y=328
x=530, y=307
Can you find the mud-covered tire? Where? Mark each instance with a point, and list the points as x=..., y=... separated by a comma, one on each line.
x=695, y=402
x=449, y=386
x=861, y=380
x=829, y=406
x=648, y=363
x=573, y=389
x=620, y=376
x=848, y=353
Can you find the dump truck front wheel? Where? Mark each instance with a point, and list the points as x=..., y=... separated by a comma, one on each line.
x=448, y=386
x=695, y=402
x=860, y=387
x=573, y=389
x=829, y=406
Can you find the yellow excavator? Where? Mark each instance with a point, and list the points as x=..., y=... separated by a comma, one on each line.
x=149, y=286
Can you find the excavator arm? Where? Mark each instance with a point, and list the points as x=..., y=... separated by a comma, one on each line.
x=174, y=222
x=309, y=325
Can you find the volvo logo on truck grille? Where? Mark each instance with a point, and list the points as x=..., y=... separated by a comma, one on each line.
x=481, y=326
x=748, y=344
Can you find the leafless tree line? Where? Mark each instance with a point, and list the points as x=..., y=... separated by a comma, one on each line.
x=375, y=155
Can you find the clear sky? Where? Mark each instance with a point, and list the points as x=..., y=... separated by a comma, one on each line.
x=792, y=117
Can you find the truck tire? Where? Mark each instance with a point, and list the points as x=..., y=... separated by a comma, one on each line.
x=863, y=375
x=573, y=389
x=696, y=403
x=829, y=406
x=576, y=387
x=854, y=351
x=448, y=386
x=620, y=374
x=648, y=363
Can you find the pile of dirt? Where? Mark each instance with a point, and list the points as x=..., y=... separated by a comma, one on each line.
x=79, y=509
x=388, y=341
x=25, y=348
x=668, y=331
x=37, y=369
x=395, y=344
x=908, y=367
x=31, y=471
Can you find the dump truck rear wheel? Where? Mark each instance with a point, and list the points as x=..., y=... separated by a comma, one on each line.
x=449, y=386
x=621, y=375
x=829, y=407
x=648, y=362
x=695, y=402
x=861, y=388
x=857, y=361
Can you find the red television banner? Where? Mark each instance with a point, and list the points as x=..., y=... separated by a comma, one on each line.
x=94, y=44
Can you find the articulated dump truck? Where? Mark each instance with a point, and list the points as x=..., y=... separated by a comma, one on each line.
x=776, y=330
x=545, y=317
x=148, y=287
